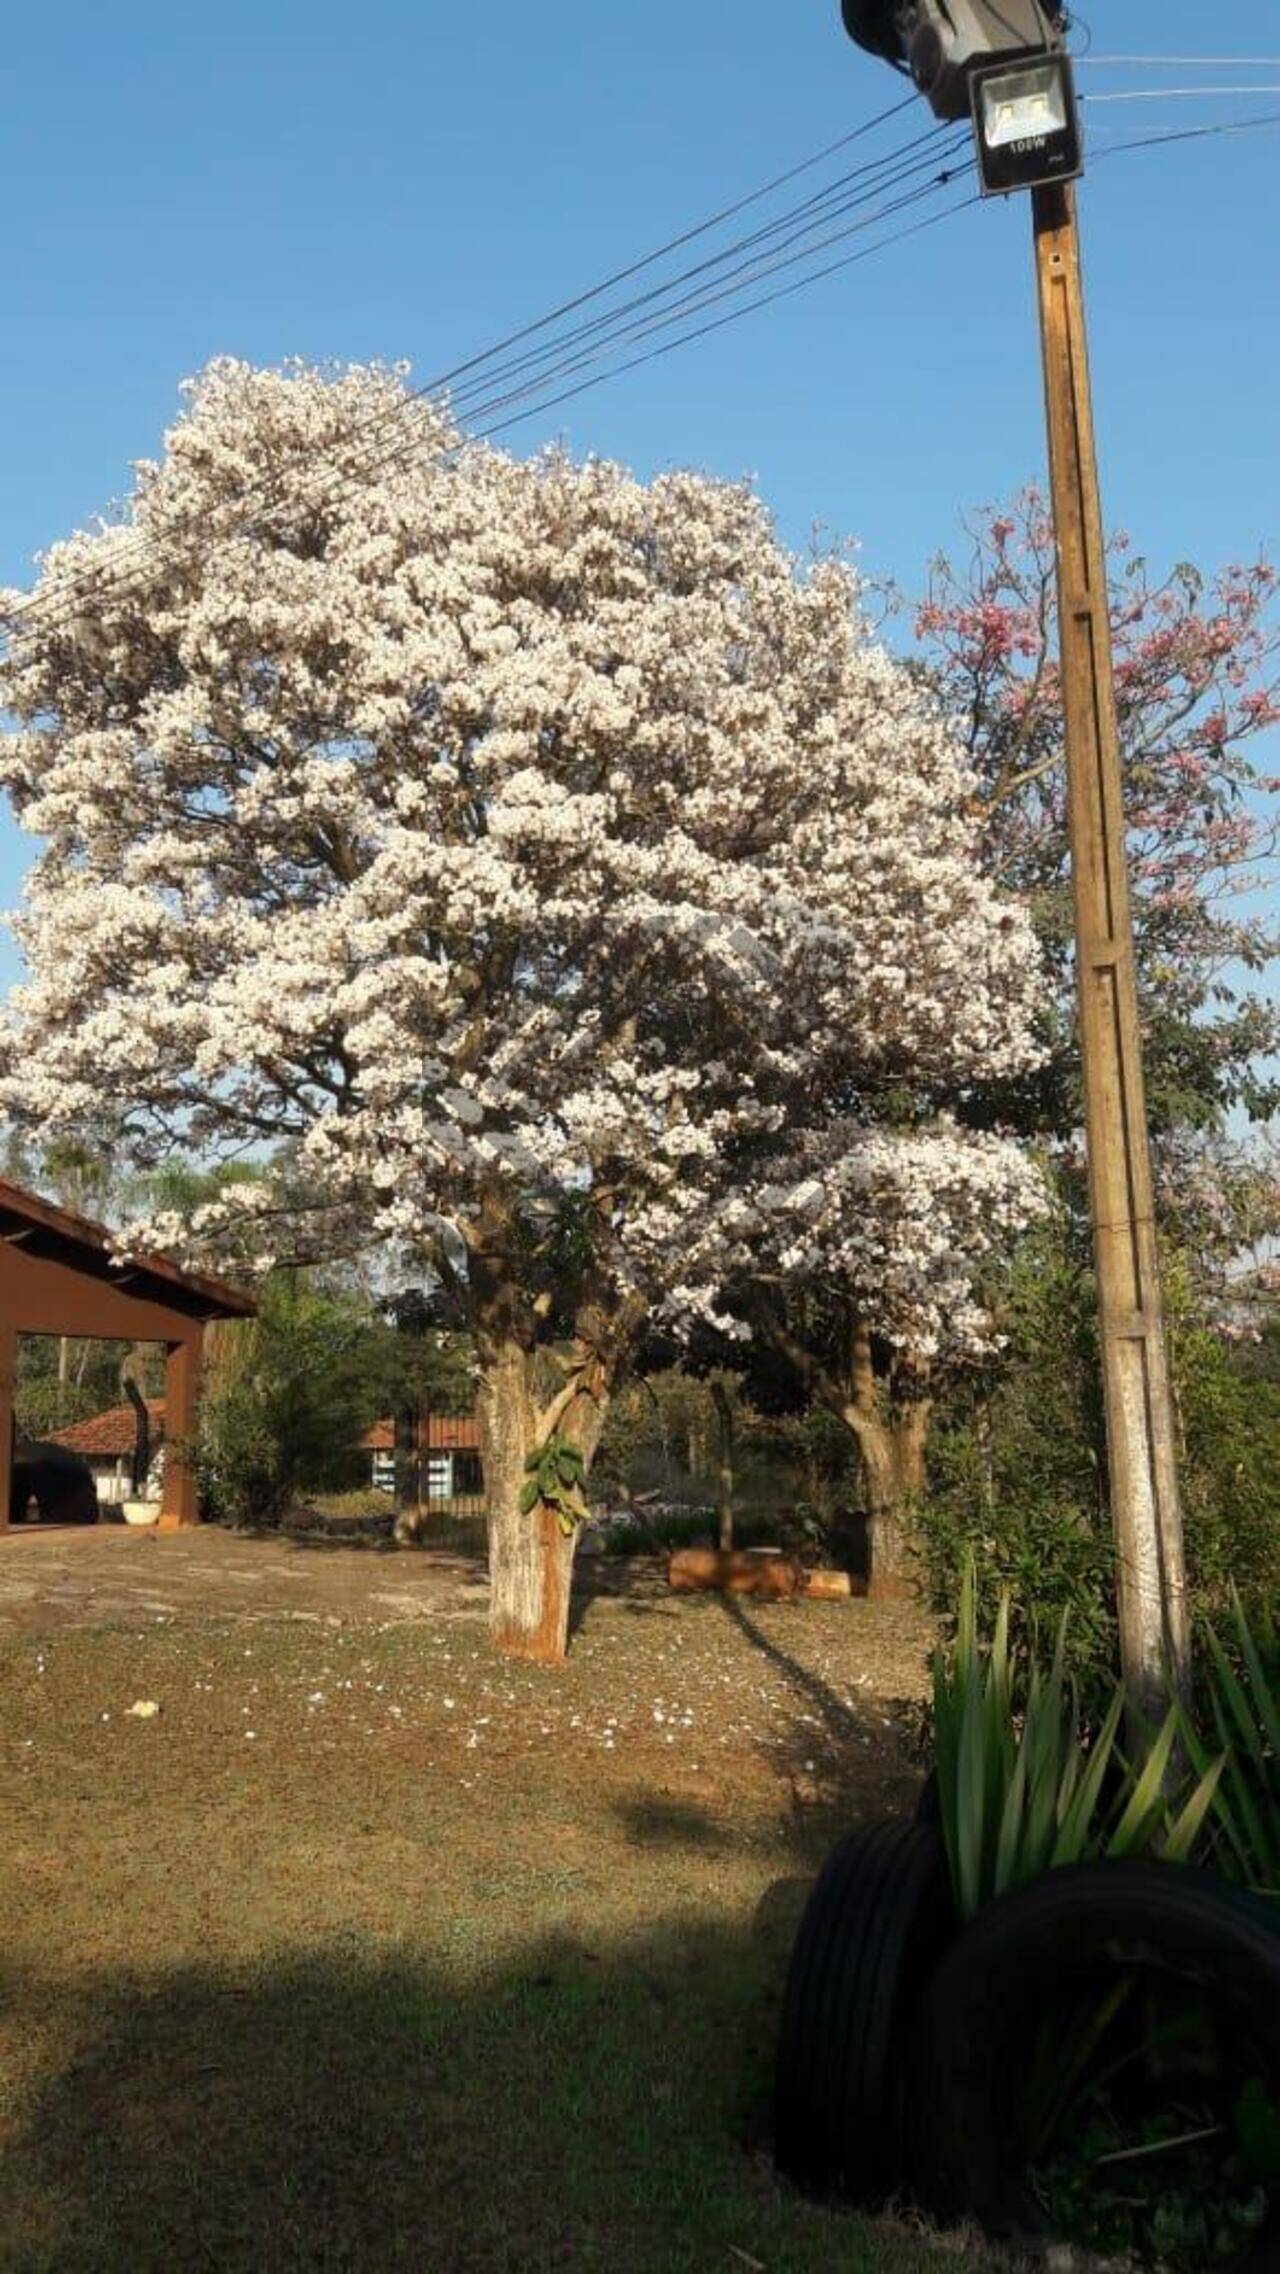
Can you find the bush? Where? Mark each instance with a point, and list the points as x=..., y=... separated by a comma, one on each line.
x=44, y=1404
x=286, y=1404
x=668, y=1528
x=1231, y=1473
x=1018, y=1475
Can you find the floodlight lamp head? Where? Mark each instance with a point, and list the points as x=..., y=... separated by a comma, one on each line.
x=941, y=42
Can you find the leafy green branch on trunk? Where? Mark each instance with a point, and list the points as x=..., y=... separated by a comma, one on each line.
x=555, y=1474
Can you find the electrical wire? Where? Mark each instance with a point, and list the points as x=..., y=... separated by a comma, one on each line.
x=1170, y=62
x=750, y=271
x=849, y=260
x=271, y=491
x=1190, y=134
x=1173, y=94
x=822, y=205
x=440, y=385
x=674, y=244
x=700, y=331
x=915, y=197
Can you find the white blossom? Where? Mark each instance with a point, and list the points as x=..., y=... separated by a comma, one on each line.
x=484, y=825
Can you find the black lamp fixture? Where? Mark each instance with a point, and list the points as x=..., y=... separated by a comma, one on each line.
x=1001, y=63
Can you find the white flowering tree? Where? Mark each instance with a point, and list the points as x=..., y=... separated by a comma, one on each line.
x=528, y=851
x=855, y=1252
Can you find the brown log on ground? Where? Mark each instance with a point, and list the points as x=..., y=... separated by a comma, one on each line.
x=832, y=1586
x=698, y=1571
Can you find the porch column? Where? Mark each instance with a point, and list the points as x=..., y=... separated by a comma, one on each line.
x=8, y=1370
x=181, y=1398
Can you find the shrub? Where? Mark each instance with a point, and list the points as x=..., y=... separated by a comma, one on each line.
x=1018, y=1467
x=43, y=1404
x=286, y=1404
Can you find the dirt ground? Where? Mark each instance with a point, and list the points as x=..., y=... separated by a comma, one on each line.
x=56, y=1575
x=365, y=1948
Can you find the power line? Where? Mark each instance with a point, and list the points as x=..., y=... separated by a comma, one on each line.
x=437, y=387
x=43, y=603
x=849, y=260
x=1191, y=134
x=718, y=323
x=1173, y=94
x=674, y=244
x=915, y=197
x=46, y=603
x=270, y=491
x=1159, y=62
x=629, y=329
x=822, y=205
x=624, y=325
x=695, y=303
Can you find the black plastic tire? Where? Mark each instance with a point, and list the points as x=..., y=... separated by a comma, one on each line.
x=975, y=2038
x=929, y=1805
x=874, y=1927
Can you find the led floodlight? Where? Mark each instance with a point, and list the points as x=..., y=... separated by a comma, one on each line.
x=1027, y=124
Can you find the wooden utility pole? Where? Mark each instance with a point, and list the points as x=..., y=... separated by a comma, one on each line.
x=1150, y=1563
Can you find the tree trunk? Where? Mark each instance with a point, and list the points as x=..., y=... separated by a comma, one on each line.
x=722, y=1398
x=408, y=1456
x=530, y=1556
x=909, y=1427
x=891, y=1425
x=530, y=1560
x=889, y=1421
x=890, y=1557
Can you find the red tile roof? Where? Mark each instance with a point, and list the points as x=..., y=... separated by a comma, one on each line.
x=105, y=1436
x=108, y=1435
x=444, y=1433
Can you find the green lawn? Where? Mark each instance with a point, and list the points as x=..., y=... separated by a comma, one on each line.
x=443, y=1967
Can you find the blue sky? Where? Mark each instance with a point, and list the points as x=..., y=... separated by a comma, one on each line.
x=409, y=181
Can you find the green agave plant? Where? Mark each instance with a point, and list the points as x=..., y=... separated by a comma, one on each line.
x=1244, y=1701
x=1022, y=1790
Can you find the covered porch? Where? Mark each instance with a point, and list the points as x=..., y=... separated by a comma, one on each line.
x=59, y=1276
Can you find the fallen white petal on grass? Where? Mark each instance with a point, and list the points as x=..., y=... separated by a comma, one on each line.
x=142, y=1709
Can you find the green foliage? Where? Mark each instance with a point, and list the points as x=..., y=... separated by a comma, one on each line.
x=42, y=1404
x=555, y=1475
x=286, y=1410
x=411, y=1359
x=1018, y=1464
x=1231, y=1468
x=59, y=1382
x=1242, y=1706
x=1173, y=2174
x=1022, y=1790
x=362, y=1500
x=1016, y=1467
x=647, y=1534
x=794, y=1473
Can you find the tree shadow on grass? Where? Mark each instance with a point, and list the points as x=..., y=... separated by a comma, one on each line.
x=837, y=1719
x=574, y=2107
x=851, y=1760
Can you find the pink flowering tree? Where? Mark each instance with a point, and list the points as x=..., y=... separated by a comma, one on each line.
x=534, y=860
x=1198, y=697
x=1198, y=683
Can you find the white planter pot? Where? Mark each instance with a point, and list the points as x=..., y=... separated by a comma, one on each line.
x=140, y=1511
